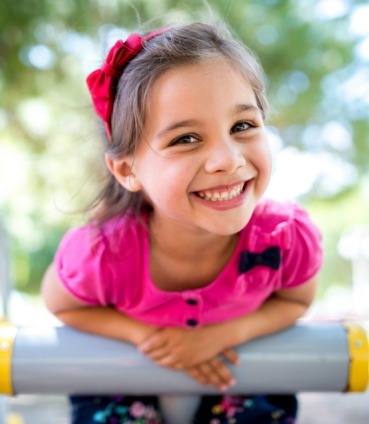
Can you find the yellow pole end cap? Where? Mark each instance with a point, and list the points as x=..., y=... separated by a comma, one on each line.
x=7, y=337
x=359, y=358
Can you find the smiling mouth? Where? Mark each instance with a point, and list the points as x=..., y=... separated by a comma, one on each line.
x=221, y=195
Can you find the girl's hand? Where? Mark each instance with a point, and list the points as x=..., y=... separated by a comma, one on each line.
x=215, y=372
x=179, y=348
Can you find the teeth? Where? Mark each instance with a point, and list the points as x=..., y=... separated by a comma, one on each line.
x=220, y=196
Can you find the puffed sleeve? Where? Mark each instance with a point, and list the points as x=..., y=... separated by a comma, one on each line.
x=82, y=266
x=303, y=258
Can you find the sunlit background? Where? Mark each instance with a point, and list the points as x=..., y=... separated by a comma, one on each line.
x=315, y=54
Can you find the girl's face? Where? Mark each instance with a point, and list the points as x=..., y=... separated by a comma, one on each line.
x=204, y=160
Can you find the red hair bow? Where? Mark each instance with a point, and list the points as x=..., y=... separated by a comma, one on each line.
x=102, y=83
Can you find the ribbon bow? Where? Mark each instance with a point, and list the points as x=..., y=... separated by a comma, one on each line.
x=102, y=83
x=271, y=257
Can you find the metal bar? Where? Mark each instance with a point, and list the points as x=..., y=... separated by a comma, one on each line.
x=307, y=357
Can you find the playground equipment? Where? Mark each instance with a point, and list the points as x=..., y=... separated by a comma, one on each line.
x=319, y=357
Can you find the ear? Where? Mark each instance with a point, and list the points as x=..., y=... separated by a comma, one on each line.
x=123, y=171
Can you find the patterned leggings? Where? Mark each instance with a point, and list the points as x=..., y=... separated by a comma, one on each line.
x=227, y=409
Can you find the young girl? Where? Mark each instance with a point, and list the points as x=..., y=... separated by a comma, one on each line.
x=182, y=257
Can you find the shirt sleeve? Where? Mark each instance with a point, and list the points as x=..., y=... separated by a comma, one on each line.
x=82, y=265
x=304, y=257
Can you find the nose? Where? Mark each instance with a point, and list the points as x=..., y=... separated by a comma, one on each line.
x=224, y=155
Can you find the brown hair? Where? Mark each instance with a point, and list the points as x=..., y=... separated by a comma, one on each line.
x=187, y=44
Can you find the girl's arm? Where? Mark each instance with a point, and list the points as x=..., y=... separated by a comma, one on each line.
x=279, y=312
x=189, y=347
x=101, y=320
x=108, y=322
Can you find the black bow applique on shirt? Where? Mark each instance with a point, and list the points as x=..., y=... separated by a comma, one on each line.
x=271, y=257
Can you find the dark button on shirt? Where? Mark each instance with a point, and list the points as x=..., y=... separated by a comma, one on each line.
x=192, y=322
x=192, y=302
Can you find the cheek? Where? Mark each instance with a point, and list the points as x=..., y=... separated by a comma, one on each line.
x=177, y=179
x=268, y=160
x=165, y=179
x=264, y=158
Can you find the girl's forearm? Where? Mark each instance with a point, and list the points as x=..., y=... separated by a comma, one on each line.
x=278, y=312
x=99, y=320
x=274, y=315
x=107, y=322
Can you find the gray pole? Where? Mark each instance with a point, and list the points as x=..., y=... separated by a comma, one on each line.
x=307, y=357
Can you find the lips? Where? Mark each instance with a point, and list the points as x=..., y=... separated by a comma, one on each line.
x=221, y=194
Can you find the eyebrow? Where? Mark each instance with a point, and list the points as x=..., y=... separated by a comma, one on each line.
x=246, y=107
x=180, y=124
x=191, y=122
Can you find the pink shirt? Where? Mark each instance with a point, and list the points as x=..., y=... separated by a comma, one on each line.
x=110, y=266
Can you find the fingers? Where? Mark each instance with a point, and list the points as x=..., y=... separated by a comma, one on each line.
x=213, y=372
x=164, y=358
x=222, y=376
x=170, y=362
x=196, y=373
x=176, y=366
x=232, y=356
x=156, y=354
x=152, y=344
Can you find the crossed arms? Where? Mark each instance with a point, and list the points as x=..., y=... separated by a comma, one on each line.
x=204, y=353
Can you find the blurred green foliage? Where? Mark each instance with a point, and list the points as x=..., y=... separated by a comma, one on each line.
x=318, y=86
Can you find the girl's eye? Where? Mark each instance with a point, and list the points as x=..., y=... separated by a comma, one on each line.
x=185, y=139
x=241, y=126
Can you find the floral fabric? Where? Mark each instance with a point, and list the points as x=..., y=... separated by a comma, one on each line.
x=115, y=410
x=227, y=409
x=258, y=409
